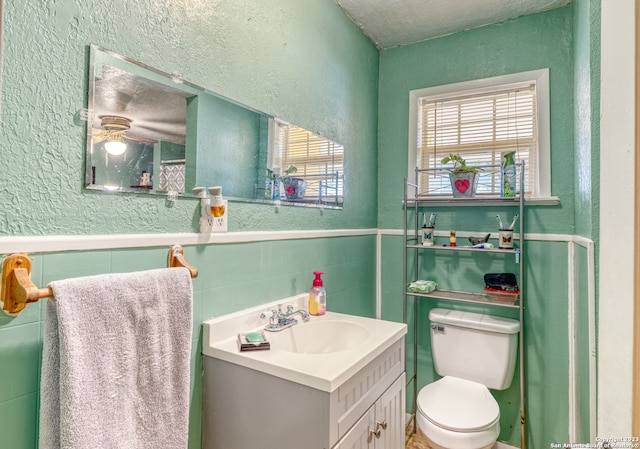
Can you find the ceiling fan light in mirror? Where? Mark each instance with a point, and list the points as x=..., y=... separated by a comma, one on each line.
x=115, y=123
x=114, y=128
x=115, y=147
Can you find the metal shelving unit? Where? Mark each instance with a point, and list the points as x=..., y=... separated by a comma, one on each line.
x=413, y=248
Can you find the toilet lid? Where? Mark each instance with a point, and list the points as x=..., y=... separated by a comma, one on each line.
x=458, y=405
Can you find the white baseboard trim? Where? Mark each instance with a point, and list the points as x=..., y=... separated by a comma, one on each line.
x=378, y=276
x=571, y=317
x=56, y=243
x=44, y=244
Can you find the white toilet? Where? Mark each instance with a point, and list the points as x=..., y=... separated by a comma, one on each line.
x=474, y=352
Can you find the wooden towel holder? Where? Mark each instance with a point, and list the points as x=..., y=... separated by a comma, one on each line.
x=17, y=289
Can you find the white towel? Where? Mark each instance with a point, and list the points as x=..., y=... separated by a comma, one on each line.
x=116, y=362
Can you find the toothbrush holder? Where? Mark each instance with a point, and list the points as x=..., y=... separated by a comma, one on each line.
x=505, y=238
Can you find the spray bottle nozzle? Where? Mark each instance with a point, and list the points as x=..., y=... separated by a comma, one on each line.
x=317, y=282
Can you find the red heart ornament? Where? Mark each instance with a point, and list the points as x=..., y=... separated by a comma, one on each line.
x=462, y=185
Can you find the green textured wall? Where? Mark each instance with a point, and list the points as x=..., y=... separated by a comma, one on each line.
x=586, y=26
x=228, y=136
x=527, y=43
x=532, y=42
x=586, y=41
x=305, y=62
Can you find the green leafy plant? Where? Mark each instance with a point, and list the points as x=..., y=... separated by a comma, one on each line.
x=459, y=164
x=284, y=176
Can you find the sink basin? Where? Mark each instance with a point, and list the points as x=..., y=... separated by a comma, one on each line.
x=321, y=353
x=319, y=337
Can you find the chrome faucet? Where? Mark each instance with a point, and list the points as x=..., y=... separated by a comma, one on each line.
x=280, y=320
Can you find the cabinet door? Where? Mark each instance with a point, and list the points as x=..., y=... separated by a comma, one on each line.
x=359, y=437
x=386, y=418
x=390, y=413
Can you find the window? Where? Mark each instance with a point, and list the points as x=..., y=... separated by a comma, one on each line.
x=319, y=161
x=481, y=120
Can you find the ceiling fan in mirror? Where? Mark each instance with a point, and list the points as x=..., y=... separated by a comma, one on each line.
x=114, y=132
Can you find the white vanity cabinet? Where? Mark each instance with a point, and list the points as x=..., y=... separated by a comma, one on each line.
x=246, y=409
x=382, y=427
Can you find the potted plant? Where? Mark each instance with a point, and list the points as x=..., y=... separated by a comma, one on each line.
x=464, y=179
x=294, y=188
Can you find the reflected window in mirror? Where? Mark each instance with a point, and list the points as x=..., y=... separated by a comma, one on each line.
x=310, y=167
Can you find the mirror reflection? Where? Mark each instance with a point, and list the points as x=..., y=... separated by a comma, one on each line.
x=153, y=133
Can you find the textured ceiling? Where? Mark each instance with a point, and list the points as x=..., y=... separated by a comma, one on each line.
x=390, y=23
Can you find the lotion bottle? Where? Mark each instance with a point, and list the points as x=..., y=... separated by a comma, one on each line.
x=317, y=296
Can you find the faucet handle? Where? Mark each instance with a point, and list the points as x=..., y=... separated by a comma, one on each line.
x=290, y=308
x=273, y=318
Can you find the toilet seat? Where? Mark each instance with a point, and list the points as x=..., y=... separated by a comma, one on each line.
x=458, y=405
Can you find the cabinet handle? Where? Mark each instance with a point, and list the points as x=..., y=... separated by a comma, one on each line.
x=375, y=433
x=382, y=424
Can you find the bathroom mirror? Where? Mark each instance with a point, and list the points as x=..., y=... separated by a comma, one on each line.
x=150, y=132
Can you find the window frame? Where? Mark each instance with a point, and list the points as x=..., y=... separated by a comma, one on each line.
x=541, y=79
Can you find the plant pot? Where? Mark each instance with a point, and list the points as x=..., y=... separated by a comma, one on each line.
x=463, y=184
x=295, y=188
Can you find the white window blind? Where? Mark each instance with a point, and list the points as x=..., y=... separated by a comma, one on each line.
x=480, y=126
x=319, y=161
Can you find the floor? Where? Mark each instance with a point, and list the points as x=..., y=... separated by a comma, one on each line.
x=414, y=440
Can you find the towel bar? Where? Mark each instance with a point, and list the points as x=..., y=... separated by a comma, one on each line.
x=18, y=290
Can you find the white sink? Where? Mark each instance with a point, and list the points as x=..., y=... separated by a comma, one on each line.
x=319, y=337
x=321, y=353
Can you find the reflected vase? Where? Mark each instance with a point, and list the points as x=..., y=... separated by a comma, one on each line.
x=295, y=188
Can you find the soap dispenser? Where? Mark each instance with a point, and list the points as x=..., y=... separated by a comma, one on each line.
x=206, y=221
x=317, y=296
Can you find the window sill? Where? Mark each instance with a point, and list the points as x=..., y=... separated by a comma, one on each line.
x=542, y=201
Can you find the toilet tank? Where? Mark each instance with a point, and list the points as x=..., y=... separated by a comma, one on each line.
x=473, y=346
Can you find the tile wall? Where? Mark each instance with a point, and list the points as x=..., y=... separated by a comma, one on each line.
x=232, y=277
